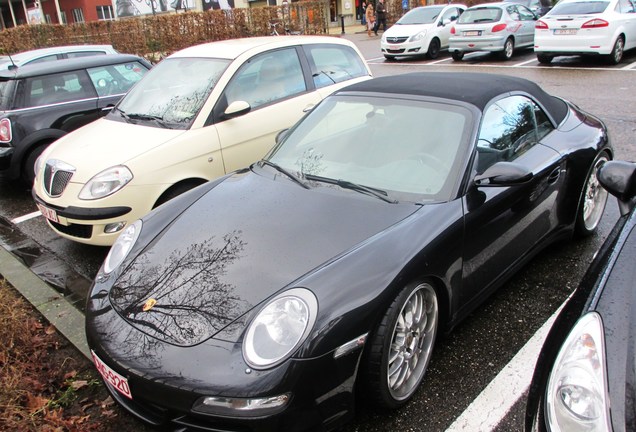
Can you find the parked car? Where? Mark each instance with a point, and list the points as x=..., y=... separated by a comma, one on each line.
x=265, y=300
x=584, y=377
x=587, y=27
x=201, y=113
x=539, y=7
x=53, y=53
x=421, y=31
x=494, y=27
x=40, y=103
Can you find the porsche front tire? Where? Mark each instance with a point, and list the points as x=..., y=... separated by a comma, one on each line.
x=402, y=345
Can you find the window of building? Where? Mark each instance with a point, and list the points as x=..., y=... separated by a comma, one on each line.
x=105, y=13
x=78, y=15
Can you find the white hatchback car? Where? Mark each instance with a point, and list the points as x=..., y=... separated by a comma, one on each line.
x=53, y=53
x=586, y=27
x=421, y=31
x=201, y=113
x=494, y=27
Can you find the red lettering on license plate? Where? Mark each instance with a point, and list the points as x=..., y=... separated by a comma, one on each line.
x=111, y=377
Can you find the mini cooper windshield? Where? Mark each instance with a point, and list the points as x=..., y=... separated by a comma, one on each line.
x=172, y=93
x=404, y=149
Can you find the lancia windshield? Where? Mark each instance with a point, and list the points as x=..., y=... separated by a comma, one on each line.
x=172, y=93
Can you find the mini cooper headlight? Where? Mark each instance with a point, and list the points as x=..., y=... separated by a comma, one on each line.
x=279, y=328
x=122, y=246
x=576, y=396
x=418, y=36
x=106, y=183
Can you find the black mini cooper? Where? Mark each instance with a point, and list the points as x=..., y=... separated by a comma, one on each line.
x=42, y=102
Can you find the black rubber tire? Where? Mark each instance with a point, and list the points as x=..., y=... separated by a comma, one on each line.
x=457, y=55
x=175, y=191
x=616, y=55
x=27, y=174
x=586, y=226
x=389, y=57
x=509, y=49
x=433, y=48
x=544, y=58
x=383, y=342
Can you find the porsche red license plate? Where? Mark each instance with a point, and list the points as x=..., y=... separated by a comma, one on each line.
x=48, y=213
x=111, y=377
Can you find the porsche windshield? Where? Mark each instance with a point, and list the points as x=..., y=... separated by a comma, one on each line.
x=172, y=93
x=411, y=149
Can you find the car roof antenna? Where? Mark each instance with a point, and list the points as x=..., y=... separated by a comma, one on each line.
x=13, y=65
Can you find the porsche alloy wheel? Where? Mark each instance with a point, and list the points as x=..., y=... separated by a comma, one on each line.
x=593, y=200
x=402, y=346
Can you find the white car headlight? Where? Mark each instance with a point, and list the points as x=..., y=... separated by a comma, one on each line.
x=417, y=37
x=279, y=328
x=106, y=182
x=122, y=246
x=576, y=396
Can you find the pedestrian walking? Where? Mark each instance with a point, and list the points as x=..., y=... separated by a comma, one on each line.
x=363, y=15
x=381, y=17
x=370, y=14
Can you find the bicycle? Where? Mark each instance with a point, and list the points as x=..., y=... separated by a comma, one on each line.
x=288, y=32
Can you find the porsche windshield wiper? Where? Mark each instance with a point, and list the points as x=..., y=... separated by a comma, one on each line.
x=284, y=171
x=346, y=184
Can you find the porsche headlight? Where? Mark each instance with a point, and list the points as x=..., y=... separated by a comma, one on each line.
x=106, y=183
x=418, y=36
x=122, y=246
x=279, y=328
x=576, y=396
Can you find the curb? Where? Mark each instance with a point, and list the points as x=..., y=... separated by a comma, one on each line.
x=55, y=308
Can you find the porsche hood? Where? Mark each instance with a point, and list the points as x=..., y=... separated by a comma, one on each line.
x=236, y=246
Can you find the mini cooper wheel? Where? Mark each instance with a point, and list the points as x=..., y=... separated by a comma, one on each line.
x=457, y=55
x=433, y=48
x=402, y=346
x=593, y=200
x=508, y=49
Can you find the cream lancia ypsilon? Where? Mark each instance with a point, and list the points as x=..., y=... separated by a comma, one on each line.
x=201, y=113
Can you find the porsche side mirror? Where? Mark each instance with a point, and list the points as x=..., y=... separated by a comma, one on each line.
x=236, y=109
x=504, y=174
x=619, y=179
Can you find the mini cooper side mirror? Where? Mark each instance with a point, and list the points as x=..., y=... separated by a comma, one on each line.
x=504, y=174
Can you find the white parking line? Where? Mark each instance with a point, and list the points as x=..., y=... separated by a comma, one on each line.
x=534, y=60
x=630, y=66
x=26, y=217
x=496, y=400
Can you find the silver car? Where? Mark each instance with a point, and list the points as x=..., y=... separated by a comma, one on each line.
x=495, y=27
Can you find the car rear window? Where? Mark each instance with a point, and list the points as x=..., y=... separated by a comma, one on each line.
x=4, y=95
x=580, y=8
x=480, y=15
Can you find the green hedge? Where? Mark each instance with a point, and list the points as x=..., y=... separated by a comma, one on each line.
x=156, y=36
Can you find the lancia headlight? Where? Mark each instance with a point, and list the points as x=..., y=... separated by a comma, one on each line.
x=279, y=328
x=106, y=183
x=576, y=396
x=122, y=246
x=418, y=36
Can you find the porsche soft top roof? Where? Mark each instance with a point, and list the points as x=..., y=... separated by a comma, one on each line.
x=477, y=89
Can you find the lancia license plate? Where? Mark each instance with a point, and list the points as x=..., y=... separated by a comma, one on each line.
x=472, y=33
x=111, y=377
x=565, y=31
x=48, y=213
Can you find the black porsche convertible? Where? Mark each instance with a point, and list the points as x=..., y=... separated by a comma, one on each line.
x=270, y=298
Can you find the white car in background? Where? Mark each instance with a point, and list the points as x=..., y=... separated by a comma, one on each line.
x=586, y=27
x=421, y=31
x=201, y=113
x=53, y=53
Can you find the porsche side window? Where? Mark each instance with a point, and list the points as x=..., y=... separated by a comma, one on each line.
x=266, y=78
x=508, y=129
x=333, y=64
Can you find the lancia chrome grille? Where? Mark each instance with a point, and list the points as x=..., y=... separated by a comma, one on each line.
x=57, y=174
